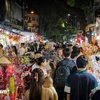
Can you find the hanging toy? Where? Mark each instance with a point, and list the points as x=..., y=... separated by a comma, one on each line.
x=11, y=84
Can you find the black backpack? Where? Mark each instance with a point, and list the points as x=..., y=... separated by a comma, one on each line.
x=62, y=71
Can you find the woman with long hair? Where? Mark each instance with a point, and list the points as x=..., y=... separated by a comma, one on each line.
x=37, y=91
x=41, y=61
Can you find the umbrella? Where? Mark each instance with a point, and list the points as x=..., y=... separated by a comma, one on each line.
x=4, y=60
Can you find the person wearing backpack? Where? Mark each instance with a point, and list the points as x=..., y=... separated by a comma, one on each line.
x=63, y=69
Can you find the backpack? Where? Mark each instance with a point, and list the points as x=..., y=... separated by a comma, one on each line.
x=62, y=71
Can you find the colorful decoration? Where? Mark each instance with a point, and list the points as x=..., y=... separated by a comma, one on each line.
x=93, y=40
x=10, y=70
x=21, y=60
x=3, y=82
x=5, y=35
x=11, y=84
x=10, y=37
x=87, y=28
x=24, y=60
x=40, y=40
x=13, y=39
x=16, y=91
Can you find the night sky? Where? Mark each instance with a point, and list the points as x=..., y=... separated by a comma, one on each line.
x=36, y=5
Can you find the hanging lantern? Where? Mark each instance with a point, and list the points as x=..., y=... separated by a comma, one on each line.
x=10, y=37
x=5, y=35
x=16, y=40
x=11, y=84
x=10, y=69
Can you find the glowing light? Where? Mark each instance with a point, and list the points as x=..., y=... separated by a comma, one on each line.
x=71, y=40
x=63, y=25
x=68, y=14
x=32, y=12
x=98, y=37
x=7, y=32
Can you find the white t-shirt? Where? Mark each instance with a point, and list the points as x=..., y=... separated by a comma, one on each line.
x=22, y=51
x=35, y=66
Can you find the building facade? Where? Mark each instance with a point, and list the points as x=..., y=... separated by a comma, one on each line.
x=32, y=22
x=2, y=10
x=11, y=14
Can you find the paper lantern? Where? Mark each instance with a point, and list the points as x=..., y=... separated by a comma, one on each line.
x=10, y=69
x=13, y=39
x=5, y=35
x=16, y=40
x=10, y=37
x=11, y=84
x=18, y=37
x=93, y=40
x=87, y=29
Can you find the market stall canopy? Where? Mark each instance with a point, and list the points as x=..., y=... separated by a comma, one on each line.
x=4, y=60
x=27, y=33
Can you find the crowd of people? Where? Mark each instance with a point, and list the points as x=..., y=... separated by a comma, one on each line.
x=57, y=71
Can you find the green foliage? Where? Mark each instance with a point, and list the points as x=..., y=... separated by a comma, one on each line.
x=85, y=5
x=53, y=18
x=54, y=34
x=71, y=3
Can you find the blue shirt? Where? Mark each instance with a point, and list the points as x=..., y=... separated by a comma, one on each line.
x=80, y=84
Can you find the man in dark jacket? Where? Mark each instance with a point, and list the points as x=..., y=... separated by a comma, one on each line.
x=63, y=69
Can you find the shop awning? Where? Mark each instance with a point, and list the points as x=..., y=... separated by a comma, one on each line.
x=26, y=33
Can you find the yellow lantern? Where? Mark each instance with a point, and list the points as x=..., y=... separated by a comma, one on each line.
x=13, y=39
x=5, y=35
x=11, y=84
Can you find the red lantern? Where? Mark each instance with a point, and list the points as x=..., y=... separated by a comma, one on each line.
x=10, y=69
x=10, y=37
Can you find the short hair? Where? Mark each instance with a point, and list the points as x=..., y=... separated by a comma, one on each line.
x=81, y=61
x=22, y=44
x=74, y=54
x=75, y=48
x=59, y=49
x=67, y=52
x=40, y=60
x=69, y=45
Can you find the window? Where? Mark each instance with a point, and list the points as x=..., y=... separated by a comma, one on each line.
x=33, y=19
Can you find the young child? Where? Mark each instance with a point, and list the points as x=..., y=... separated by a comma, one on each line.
x=48, y=83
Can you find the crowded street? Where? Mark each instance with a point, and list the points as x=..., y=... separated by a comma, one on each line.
x=49, y=50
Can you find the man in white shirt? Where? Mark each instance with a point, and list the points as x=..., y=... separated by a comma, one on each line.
x=22, y=49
